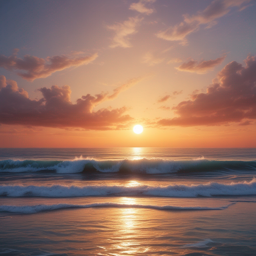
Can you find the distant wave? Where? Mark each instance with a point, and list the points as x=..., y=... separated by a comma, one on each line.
x=143, y=166
x=201, y=190
x=29, y=209
x=27, y=251
x=243, y=201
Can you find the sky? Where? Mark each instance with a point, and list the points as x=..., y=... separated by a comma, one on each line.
x=82, y=73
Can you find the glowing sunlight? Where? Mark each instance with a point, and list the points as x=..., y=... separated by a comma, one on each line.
x=138, y=129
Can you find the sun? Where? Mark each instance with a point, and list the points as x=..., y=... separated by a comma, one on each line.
x=138, y=129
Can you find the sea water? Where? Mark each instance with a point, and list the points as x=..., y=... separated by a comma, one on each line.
x=128, y=201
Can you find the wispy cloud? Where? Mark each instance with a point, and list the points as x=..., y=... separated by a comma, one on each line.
x=169, y=96
x=164, y=108
x=55, y=109
x=174, y=60
x=163, y=99
x=35, y=67
x=200, y=67
x=151, y=60
x=231, y=98
x=190, y=24
x=175, y=93
x=141, y=7
x=125, y=86
x=123, y=31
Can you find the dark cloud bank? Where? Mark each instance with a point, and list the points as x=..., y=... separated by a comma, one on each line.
x=55, y=109
x=230, y=98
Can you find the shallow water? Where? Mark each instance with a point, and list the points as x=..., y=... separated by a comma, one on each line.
x=204, y=206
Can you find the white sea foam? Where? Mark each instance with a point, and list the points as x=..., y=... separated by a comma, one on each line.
x=29, y=209
x=199, y=158
x=200, y=244
x=203, y=190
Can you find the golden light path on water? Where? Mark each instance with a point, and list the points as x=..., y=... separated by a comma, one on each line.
x=137, y=153
x=130, y=226
x=130, y=223
x=133, y=183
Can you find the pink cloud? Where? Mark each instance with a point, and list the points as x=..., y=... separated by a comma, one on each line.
x=190, y=24
x=141, y=7
x=124, y=86
x=123, y=31
x=200, y=67
x=164, y=108
x=35, y=67
x=55, y=109
x=151, y=60
x=231, y=98
x=169, y=96
x=163, y=99
x=175, y=93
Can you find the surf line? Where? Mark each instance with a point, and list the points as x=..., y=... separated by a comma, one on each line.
x=30, y=209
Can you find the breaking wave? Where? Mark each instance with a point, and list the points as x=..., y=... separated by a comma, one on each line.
x=29, y=209
x=143, y=166
x=187, y=191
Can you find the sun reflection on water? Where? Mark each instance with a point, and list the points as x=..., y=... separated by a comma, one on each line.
x=128, y=226
x=128, y=238
x=128, y=200
x=133, y=183
x=136, y=153
x=128, y=213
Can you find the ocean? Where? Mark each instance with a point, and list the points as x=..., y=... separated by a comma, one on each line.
x=128, y=201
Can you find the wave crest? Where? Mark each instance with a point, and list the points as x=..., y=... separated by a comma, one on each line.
x=30, y=209
x=201, y=190
x=143, y=166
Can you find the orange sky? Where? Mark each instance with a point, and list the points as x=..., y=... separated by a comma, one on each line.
x=83, y=73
